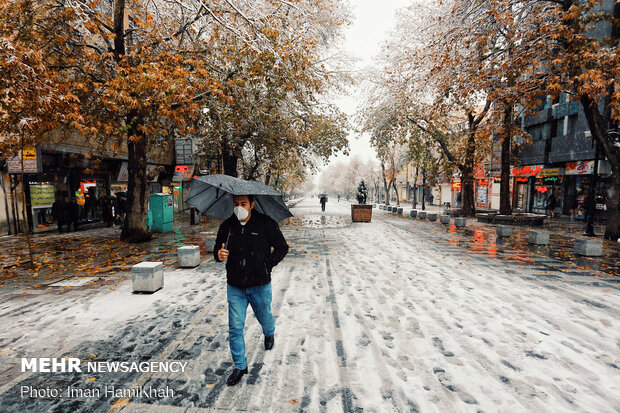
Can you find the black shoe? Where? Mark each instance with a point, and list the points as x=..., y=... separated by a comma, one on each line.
x=269, y=342
x=236, y=376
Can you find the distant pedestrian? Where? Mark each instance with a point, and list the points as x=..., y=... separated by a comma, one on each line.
x=430, y=199
x=589, y=206
x=459, y=197
x=80, y=200
x=323, y=202
x=107, y=210
x=551, y=203
x=572, y=207
x=59, y=212
x=245, y=241
x=74, y=215
x=338, y=197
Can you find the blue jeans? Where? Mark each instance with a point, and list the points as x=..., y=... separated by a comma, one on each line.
x=238, y=298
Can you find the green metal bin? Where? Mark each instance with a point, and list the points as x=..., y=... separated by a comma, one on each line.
x=161, y=212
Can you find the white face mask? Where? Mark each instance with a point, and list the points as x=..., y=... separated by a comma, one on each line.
x=241, y=213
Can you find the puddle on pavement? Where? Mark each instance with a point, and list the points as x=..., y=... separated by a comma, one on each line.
x=316, y=221
x=517, y=249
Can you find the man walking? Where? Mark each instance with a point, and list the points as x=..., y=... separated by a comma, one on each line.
x=323, y=201
x=245, y=242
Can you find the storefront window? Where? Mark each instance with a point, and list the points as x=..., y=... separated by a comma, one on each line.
x=543, y=188
x=42, y=196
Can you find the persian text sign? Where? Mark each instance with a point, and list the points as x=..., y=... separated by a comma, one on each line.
x=41, y=195
x=31, y=162
x=527, y=170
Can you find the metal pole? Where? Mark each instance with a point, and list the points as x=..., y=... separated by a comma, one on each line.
x=423, y=188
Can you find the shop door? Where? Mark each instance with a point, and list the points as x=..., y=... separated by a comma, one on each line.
x=521, y=198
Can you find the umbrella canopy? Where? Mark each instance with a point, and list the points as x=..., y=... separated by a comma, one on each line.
x=213, y=195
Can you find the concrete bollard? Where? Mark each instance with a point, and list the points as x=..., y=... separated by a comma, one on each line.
x=504, y=231
x=189, y=256
x=374, y=205
x=539, y=237
x=209, y=238
x=431, y=217
x=422, y=214
x=589, y=247
x=400, y=211
x=394, y=210
x=444, y=219
x=460, y=222
x=413, y=213
x=147, y=276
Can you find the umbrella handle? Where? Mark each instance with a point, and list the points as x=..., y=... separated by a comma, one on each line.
x=227, y=238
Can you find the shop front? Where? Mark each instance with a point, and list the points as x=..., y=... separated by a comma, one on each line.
x=457, y=200
x=579, y=179
x=482, y=193
x=548, y=182
x=180, y=186
x=522, y=193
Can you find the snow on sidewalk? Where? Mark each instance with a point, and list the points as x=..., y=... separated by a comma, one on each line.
x=368, y=315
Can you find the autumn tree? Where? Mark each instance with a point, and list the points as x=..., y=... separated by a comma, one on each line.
x=574, y=60
x=34, y=98
x=428, y=80
x=271, y=107
x=496, y=30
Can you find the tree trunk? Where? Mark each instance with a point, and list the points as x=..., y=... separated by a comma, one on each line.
x=385, y=185
x=415, y=188
x=467, y=177
x=229, y=162
x=14, y=209
x=268, y=177
x=134, y=229
x=26, y=206
x=606, y=142
x=6, y=207
x=396, y=192
x=505, y=207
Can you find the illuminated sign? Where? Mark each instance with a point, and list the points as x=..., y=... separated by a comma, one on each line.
x=456, y=186
x=183, y=173
x=541, y=189
x=553, y=179
x=522, y=179
x=550, y=172
x=527, y=170
x=483, y=182
x=579, y=168
x=30, y=153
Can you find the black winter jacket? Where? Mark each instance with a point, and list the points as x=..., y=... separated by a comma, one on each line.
x=250, y=258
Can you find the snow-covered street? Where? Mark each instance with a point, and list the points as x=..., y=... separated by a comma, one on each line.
x=376, y=316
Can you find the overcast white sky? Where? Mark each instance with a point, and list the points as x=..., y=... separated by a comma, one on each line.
x=371, y=22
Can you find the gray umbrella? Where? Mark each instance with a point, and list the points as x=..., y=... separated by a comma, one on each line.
x=212, y=195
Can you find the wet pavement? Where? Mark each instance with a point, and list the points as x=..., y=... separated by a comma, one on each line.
x=481, y=239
